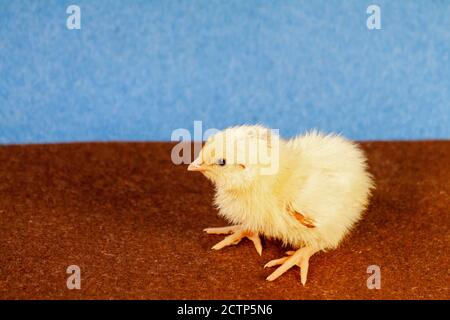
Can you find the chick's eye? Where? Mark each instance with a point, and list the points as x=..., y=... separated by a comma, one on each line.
x=221, y=162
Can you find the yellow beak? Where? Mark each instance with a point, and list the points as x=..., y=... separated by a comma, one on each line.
x=196, y=167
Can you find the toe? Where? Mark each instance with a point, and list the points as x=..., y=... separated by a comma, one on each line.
x=221, y=230
x=257, y=242
x=304, y=265
x=275, y=262
x=233, y=239
x=290, y=262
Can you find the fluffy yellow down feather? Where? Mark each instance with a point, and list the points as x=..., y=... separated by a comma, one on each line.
x=307, y=192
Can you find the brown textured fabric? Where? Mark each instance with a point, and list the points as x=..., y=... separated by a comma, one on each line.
x=133, y=223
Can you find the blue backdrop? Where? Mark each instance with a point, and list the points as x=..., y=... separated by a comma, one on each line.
x=137, y=70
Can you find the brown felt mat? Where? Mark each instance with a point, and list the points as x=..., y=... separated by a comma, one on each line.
x=133, y=223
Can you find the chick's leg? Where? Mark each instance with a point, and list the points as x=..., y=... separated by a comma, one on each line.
x=237, y=233
x=295, y=258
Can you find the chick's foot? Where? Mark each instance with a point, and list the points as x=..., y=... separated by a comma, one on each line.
x=237, y=233
x=295, y=258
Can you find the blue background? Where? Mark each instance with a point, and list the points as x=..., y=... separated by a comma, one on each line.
x=137, y=70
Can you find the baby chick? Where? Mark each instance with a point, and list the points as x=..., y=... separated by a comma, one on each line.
x=307, y=192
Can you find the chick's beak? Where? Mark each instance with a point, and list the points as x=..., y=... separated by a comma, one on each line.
x=194, y=166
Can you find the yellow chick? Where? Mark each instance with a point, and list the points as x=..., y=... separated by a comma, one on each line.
x=307, y=192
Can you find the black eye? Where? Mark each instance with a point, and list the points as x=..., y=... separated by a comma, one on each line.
x=221, y=162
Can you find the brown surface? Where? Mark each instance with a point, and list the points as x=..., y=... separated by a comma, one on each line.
x=133, y=222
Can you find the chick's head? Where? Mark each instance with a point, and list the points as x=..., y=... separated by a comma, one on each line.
x=237, y=157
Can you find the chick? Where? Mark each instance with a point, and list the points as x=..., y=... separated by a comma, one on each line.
x=308, y=191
